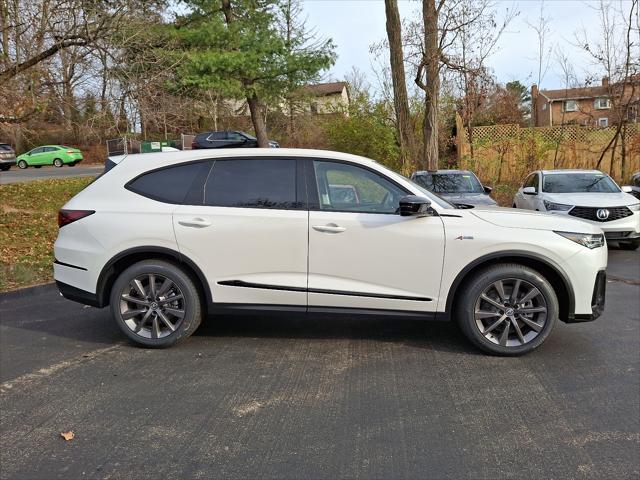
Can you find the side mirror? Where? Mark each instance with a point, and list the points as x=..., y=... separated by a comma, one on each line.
x=487, y=190
x=414, y=206
x=627, y=189
x=529, y=191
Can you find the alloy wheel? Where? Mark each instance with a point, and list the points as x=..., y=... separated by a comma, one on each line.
x=152, y=306
x=510, y=312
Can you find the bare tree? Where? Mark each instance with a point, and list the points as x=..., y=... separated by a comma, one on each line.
x=614, y=49
x=404, y=125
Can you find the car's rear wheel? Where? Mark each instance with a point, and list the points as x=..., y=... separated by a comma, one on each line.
x=72, y=164
x=5, y=168
x=630, y=245
x=507, y=309
x=57, y=163
x=156, y=303
x=22, y=164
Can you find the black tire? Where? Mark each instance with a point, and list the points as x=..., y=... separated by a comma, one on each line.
x=514, y=206
x=72, y=164
x=191, y=304
x=58, y=163
x=22, y=164
x=5, y=168
x=469, y=294
x=630, y=245
x=37, y=166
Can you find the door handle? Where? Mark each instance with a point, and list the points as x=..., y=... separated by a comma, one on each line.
x=195, y=222
x=330, y=228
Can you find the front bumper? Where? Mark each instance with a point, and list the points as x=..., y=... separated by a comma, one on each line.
x=597, y=300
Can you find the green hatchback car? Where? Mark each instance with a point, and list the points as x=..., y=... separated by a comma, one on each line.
x=56, y=155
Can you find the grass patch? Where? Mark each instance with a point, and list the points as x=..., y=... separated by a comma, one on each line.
x=29, y=227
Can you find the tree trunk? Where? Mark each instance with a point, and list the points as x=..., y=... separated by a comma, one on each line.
x=406, y=135
x=258, y=121
x=431, y=85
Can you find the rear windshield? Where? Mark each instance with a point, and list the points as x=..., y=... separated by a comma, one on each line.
x=578, y=183
x=450, y=183
x=5, y=147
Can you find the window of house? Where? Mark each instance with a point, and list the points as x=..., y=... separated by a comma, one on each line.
x=570, y=106
x=603, y=122
x=253, y=183
x=602, y=103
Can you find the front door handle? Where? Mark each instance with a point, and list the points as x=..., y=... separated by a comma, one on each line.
x=195, y=222
x=330, y=228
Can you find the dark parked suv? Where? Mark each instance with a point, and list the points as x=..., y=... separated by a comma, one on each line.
x=7, y=157
x=227, y=139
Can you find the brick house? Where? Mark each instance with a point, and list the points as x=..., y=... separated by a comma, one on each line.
x=597, y=105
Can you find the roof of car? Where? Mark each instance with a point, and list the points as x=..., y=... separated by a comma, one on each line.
x=551, y=172
x=167, y=158
x=452, y=171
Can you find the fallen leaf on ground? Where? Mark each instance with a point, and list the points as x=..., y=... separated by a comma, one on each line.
x=67, y=435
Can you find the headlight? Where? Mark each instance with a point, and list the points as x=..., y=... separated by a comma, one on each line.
x=634, y=208
x=557, y=206
x=589, y=240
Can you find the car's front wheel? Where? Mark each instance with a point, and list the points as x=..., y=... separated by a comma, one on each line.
x=22, y=164
x=156, y=303
x=507, y=309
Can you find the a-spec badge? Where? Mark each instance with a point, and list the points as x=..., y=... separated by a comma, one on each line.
x=464, y=237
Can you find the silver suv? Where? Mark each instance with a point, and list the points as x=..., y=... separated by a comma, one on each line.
x=7, y=157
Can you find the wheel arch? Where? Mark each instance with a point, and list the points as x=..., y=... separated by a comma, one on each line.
x=547, y=268
x=124, y=259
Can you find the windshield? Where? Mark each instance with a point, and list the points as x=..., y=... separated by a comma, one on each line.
x=450, y=182
x=578, y=183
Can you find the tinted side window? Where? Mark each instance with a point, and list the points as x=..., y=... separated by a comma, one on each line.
x=349, y=188
x=253, y=183
x=170, y=185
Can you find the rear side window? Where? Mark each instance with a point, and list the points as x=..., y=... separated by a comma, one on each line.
x=170, y=185
x=253, y=183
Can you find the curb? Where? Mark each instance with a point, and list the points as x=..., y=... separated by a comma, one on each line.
x=26, y=292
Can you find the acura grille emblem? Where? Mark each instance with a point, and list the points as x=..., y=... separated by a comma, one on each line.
x=602, y=214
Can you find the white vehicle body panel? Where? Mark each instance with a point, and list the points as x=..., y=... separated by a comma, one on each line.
x=377, y=254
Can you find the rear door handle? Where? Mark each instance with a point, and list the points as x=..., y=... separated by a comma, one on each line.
x=195, y=222
x=330, y=228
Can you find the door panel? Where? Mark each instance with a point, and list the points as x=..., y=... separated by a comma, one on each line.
x=392, y=262
x=250, y=238
x=370, y=257
x=259, y=247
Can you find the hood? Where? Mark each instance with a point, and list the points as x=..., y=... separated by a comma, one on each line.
x=593, y=199
x=518, y=218
x=470, y=198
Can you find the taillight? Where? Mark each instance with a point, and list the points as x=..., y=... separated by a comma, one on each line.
x=65, y=217
x=70, y=151
x=194, y=145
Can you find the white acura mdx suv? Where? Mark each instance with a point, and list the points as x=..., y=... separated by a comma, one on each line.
x=590, y=195
x=166, y=238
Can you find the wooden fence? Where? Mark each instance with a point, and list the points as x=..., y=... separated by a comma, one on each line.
x=506, y=153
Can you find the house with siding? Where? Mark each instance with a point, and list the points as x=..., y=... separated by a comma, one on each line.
x=601, y=105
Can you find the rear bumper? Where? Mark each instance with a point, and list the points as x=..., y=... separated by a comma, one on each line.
x=597, y=300
x=9, y=161
x=78, y=295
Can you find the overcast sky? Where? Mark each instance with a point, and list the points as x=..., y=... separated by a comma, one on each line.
x=356, y=24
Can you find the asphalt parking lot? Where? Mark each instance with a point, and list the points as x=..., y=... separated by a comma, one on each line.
x=299, y=398
x=15, y=175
